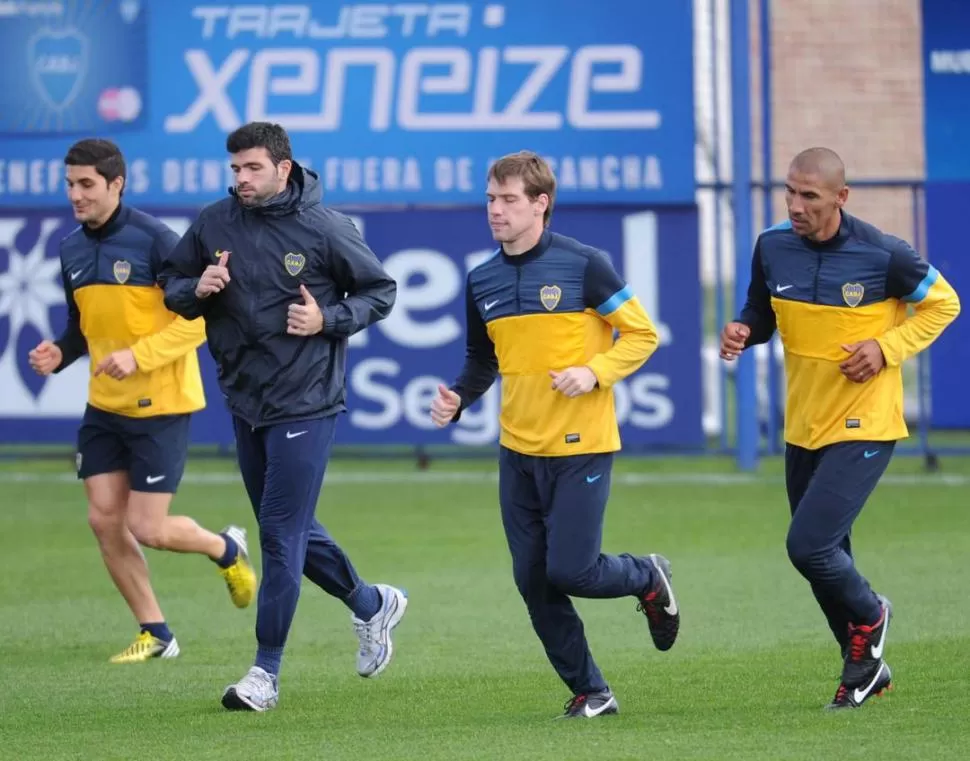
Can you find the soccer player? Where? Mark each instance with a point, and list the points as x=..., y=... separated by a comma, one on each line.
x=837, y=289
x=541, y=313
x=145, y=383
x=283, y=282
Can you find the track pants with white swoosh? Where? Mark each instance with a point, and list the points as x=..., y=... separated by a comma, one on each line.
x=552, y=512
x=827, y=489
x=282, y=468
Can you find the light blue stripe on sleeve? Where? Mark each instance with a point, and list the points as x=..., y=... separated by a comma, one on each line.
x=785, y=225
x=925, y=284
x=615, y=301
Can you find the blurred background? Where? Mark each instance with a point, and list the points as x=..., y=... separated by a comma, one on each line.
x=670, y=127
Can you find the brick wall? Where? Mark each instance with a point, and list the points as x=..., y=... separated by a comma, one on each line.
x=846, y=75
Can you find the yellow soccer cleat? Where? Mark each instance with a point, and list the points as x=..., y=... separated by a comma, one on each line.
x=145, y=647
x=240, y=576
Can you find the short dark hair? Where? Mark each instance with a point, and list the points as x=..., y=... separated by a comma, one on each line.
x=272, y=137
x=103, y=155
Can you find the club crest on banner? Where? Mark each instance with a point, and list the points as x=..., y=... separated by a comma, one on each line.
x=58, y=64
x=549, y=295
x=852, y=293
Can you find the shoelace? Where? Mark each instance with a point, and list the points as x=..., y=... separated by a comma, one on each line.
x=648, y=605
x=143, y=642
x=257, y=682
x=366, y=635
x=574, y=702
x=232, y=578
x=840, y=694
x=859, y=638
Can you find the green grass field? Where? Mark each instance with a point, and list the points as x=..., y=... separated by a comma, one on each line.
x=747, y=679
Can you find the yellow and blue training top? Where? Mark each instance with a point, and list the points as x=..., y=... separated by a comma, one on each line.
x=854, y=287
x=551, y=308
x=115, y=303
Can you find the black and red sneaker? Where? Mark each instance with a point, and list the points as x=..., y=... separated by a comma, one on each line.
x=854, y=697
x=865, y=649
x=591, y=705
x=659, y=605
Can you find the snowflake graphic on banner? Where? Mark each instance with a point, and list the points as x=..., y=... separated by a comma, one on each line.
x=32, y=304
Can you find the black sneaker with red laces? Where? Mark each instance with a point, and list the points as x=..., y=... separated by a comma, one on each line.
x=591, y=705
x=854, y=697
x=659, y=605
x=865, y=648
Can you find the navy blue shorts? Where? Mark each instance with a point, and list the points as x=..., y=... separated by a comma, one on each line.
x=151, y=450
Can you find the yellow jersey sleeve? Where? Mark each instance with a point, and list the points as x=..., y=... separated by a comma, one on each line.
x=915, y=282
x=180, y=337
x=615, y=303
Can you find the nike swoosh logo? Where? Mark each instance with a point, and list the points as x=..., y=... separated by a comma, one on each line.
x=593, y=479
x=489, y=304
x=290, y=435
x=670, y=609
x=782, y=288
x=154, y=479
x=76, y=275
x=859, y=695
x=870, y=455
x=589, y=713
x=877, y=649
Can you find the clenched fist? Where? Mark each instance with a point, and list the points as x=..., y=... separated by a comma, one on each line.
x=46, y=358
x=732, y=340
x=865, y=362
x=445, y=406
x=573, y=381
x=118, y=365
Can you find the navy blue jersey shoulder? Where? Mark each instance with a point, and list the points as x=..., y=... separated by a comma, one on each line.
x=127, y=250
x=275, y=248
x=560, y=274
x=861, y=265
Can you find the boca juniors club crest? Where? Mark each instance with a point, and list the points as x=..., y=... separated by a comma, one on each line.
x=294, y=263
x=549, y=295
x=58, y=65
x=122, y=271
x=852, y=293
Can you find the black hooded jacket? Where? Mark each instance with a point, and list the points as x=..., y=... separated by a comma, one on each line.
x=267, y=375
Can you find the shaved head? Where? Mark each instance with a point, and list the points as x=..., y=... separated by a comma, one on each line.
x=824, y=163
x=815, y=193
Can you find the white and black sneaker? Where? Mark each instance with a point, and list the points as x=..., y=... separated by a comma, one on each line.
x=659, y=605
x=854, y=697
x=866, y=648
x=591, y=705
x=257, y=691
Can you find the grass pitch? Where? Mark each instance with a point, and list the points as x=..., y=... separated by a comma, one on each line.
x=747, y=679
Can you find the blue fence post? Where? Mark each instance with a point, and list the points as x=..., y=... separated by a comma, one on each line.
x=774, y=381
x=720, y=310
x=747, y=412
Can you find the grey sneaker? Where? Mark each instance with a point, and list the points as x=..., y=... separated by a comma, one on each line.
x=375, y=635
x=257, y=691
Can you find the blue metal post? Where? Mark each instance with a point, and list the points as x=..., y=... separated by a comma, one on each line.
x=923, y=358
x=720, y=312
x=774, y=382
x=747, y=412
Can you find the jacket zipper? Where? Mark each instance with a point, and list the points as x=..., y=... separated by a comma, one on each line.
x=818, y=268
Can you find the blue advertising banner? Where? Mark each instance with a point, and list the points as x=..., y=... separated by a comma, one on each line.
x=390, y=103
x=946, y=60
x=946, y=66
x=394, y=367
